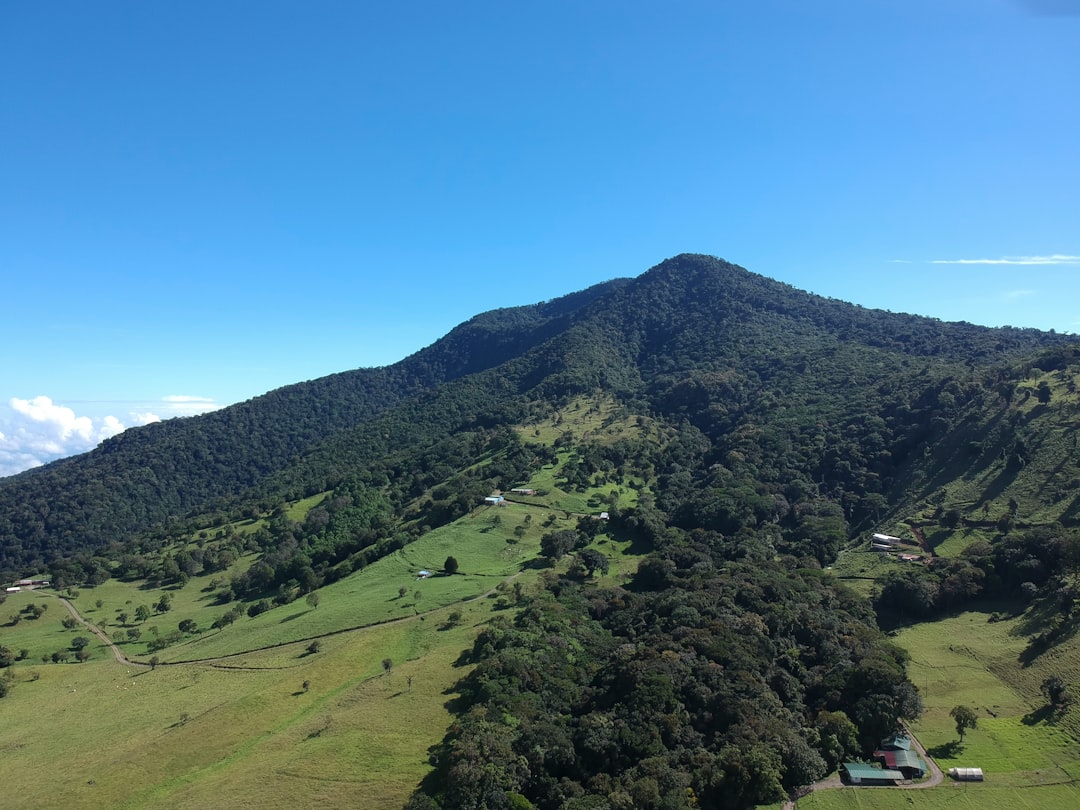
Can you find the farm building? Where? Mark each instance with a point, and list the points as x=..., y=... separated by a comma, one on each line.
x=897, y=742
x=859, y=773
x=907, y=762
x=494, y=500
x=523, y=491
x=966, y=774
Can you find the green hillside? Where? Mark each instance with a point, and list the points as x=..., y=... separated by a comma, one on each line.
x=711, y=640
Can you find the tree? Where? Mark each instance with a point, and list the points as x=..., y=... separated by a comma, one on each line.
x=314, y=647
x=594, y=561
x=306, y=685
x=122, y=618
x=1057, y=693
x=312, y=599
x=404, y=589
x=556, y=544
x=387, y=665
x=451, y=565
x=79, y=642
x=154, y=661
x=965, y=718
x=142, y=613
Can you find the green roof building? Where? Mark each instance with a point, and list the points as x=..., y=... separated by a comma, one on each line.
x=859, y=773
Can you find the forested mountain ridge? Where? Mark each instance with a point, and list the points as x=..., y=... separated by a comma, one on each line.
x=694, y=339
x=150, y=474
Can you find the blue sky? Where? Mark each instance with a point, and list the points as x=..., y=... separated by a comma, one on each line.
x=202, y=202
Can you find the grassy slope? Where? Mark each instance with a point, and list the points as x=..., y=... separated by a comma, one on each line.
x=242, y=732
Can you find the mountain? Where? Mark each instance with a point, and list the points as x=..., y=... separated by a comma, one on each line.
x=694, y=338
x=743, y=438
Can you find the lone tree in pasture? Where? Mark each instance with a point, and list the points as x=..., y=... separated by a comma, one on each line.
x=451, y=565
x=142, y=613
x=965, y=718
x=79, y=642
x=313, y=600
x=404, y=589
x=387, y=665
x=1057, y=694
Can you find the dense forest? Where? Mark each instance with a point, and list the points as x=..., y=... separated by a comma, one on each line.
x=775, y=427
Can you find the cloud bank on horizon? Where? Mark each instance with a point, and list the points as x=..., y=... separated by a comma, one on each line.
x=1055, y=259
x=36, y=431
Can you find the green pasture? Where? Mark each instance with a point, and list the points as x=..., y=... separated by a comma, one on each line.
x=110, y=735
x=949, y=796
x=487, y=552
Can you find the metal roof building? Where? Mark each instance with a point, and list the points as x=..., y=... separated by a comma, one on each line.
x=859, y=773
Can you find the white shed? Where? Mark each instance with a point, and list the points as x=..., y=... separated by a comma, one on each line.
x=966, y=774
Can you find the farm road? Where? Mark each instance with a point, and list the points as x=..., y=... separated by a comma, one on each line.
x=101, y=634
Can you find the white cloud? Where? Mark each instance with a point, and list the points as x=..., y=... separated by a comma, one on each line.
x=1055, y=259
x=1012, y=295
x=37, y=431
x=185, y=405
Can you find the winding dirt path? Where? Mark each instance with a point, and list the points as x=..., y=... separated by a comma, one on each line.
x=101, y=634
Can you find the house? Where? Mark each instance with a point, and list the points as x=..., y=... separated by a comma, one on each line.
x=859, y=773
x=605, y=516
x=966, y=774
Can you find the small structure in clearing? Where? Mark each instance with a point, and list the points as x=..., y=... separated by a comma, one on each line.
x=423, y=573
x=966, y=774
x=859, y=773
x=494, y=500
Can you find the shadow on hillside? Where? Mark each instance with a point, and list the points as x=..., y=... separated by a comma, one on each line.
x=949, y=750
x=1044, y=714
x=296, y=615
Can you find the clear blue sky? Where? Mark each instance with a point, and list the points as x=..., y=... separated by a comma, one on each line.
x=205, y=201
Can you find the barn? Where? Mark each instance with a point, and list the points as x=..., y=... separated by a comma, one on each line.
x=859, y=773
